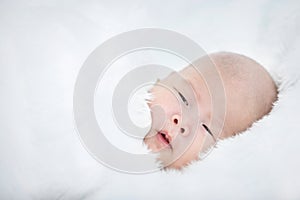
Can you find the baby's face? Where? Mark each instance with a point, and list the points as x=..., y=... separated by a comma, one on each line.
x=176, y=134
x=187, y=117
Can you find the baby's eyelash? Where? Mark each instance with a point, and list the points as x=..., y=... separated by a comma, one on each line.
x=207, y=129
x=182, y=97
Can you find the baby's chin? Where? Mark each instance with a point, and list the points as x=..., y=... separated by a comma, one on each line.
x=176, y=164
x=167, y=160
x=169, y=157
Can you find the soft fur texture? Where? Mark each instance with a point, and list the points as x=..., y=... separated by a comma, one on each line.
x=43, y=45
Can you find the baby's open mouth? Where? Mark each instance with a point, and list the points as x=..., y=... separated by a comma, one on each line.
x=164, y=138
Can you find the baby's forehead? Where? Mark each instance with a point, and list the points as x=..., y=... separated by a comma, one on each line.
x=175, y=84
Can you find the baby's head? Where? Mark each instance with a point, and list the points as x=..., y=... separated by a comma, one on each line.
x=185, y=116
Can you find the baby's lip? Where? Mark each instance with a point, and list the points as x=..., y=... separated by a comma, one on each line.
x=164, y=138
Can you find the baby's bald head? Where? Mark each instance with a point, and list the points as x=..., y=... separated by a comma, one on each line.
x=249, y=89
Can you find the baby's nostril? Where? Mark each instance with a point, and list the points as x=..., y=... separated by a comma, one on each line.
x=175, y=121
x=182, y=130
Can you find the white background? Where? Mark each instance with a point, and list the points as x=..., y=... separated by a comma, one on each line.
x=42, y=47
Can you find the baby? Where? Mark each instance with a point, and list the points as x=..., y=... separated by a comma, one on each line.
x=216, y=97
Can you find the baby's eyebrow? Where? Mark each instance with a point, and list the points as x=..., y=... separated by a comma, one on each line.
x=182, y=97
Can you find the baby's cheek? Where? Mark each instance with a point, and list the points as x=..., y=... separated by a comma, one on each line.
x=195, y=147
x=158, y=116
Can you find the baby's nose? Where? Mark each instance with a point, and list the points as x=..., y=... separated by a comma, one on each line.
x=176, y=120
